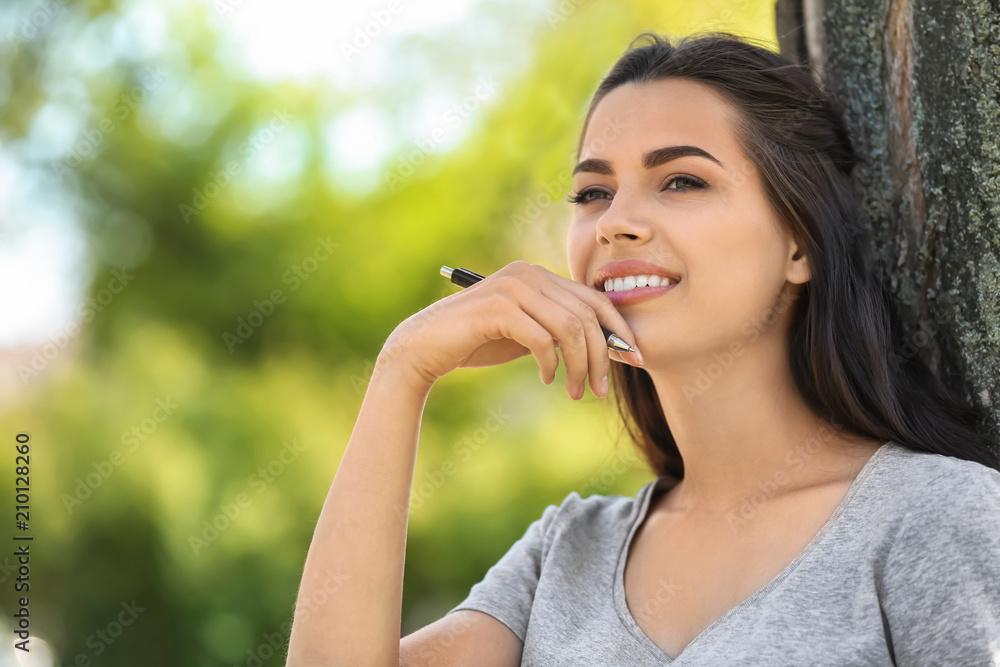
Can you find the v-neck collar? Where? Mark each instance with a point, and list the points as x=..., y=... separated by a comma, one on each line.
x=647, y=492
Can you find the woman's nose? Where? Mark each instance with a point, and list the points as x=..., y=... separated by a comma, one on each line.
x=621, y=222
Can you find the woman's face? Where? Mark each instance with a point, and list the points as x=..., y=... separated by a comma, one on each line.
x=705, y=220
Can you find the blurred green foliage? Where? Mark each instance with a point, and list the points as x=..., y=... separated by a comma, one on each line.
x=350, y=263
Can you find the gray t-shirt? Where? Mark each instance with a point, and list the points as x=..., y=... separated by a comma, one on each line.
x=905, y=572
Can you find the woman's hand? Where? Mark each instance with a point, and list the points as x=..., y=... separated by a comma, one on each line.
x=522, y=308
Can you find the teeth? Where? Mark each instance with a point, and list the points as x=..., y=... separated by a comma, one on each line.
x=623, y=283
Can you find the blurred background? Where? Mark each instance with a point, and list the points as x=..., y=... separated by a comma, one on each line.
x=212, y=215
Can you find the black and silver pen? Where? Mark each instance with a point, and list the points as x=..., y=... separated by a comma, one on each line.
x=464, y=278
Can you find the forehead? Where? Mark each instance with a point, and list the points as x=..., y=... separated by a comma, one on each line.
x=634, y=116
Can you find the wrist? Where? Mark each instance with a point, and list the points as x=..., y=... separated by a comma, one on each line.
x=397, y=370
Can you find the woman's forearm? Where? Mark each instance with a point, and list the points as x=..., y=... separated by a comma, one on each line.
x=350, y=599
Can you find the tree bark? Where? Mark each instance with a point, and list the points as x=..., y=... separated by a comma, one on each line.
x=920, y=84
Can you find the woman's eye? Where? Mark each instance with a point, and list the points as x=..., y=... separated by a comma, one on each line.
x=690, y=180
x=686, y=183
x=583, y=197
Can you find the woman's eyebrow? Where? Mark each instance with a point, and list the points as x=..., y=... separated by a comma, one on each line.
x=653, y=158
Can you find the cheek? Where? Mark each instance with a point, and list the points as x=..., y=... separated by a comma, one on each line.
x=735, y=270
x=577, y=253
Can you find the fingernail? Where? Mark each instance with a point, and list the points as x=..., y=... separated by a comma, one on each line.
x=638, y=356
x=604, y=386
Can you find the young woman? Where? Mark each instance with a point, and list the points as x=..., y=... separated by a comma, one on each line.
x=821, y=498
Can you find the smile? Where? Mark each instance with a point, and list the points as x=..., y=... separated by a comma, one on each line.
x=629, y=296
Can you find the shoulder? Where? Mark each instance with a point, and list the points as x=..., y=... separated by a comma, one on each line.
x=938, y=579
x=935, y=484
x=938, y=503
x=594, y=515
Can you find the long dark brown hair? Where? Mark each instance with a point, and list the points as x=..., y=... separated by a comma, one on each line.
x=846, y=343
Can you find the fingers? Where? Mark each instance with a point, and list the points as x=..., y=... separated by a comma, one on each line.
x=575, y=328
x=607, y=315
x=589, y=361
x=520, y=326
x=572, y=315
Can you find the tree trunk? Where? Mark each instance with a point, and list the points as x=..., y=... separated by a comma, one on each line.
x=920, y=85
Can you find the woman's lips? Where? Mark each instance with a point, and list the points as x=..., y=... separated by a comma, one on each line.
x=638, y=294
